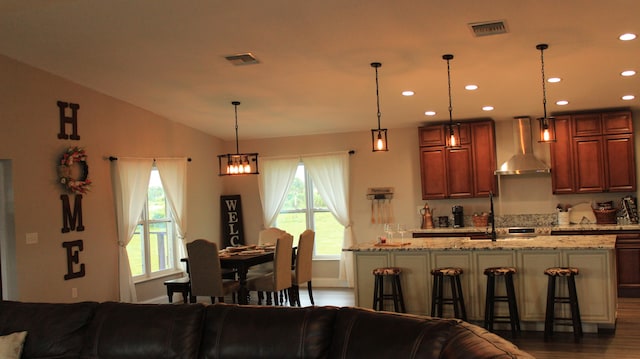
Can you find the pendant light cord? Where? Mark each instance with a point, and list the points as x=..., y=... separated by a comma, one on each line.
x=449, y=85
x=235, y=104
x=376, y=65
x=542, y=47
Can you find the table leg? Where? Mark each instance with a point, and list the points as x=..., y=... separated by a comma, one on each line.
x=243, y=293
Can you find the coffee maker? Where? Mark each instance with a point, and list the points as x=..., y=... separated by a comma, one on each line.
x=458, y=217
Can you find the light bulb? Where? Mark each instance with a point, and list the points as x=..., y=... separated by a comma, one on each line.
x=380, y=144
x=452, y=140
x=545, y=135
x=247, y=168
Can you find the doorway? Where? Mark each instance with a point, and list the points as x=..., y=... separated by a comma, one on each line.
x=8, y=283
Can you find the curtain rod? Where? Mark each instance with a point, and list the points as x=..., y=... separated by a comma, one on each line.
x=113, y=158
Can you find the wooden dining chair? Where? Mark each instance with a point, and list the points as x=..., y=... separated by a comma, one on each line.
x=280, y=278
x=205, y=272
x=303, y=267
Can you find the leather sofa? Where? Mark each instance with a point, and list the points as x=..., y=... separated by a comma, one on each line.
x=198, y=331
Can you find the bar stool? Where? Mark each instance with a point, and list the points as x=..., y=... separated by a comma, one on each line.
x=378, y=291
x=491, y=299
x=569, y=273
x=437, y=297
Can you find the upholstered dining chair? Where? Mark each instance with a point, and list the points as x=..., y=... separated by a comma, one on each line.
x=303, y=267
x=205, y=272
x=280, y=278
x=267, y=236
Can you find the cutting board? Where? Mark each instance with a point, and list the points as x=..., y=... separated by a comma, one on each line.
x=582, y=213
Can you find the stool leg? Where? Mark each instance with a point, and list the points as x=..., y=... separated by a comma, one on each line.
x=550, y=312
x=514, y=318
x=575, y=309
x=463, y=310
x=394, y=291
x=400, y=296
x=375, y=293
x=489, y=303
x=454, y=297
x=440, y=297
x=434, y=296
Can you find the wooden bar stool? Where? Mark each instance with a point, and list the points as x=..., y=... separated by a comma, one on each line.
x=378, y=290
x=489, y=312
x=437, y=297
x=569, y=273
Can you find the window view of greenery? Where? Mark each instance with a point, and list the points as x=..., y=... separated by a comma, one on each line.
x=151, y=247
x=296, y=216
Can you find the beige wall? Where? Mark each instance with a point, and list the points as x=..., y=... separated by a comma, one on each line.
x=29, y=120
x=107, y=126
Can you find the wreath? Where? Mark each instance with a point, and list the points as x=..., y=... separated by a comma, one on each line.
x=72, y=158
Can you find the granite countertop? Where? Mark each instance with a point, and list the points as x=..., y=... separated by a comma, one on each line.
x=539, y=230
x=541, y=242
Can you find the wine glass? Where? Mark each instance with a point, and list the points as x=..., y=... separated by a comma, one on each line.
x=388, y=229
x=402, y=229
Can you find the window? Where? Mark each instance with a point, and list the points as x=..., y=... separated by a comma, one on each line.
x=151, y=250
x=304, y=208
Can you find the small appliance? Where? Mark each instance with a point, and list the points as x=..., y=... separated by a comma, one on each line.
x=458, y=216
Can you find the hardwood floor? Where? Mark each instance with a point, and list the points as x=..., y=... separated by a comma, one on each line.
x=624, y=343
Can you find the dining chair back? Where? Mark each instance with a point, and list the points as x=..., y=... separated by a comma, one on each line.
x=302, y=272
x=270, y=235
x=205, y=271
x=280, y=278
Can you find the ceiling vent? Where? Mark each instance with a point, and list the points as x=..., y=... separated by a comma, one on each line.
x=246, y=58
x=488, y=28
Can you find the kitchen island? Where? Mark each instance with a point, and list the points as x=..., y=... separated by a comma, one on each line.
x=594, y=255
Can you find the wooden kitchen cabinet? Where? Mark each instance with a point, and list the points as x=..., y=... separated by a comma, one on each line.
x=628, y=264
x=594, y=152
x=463, y=172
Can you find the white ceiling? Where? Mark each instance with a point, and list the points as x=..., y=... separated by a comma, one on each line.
x=167, y=56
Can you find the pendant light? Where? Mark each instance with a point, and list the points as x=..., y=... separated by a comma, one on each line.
x=379, y=135
x=452, y=131
x=547, y=124
x=235, y=164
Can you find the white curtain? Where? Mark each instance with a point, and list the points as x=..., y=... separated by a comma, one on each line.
x=275, y=178
x=173, y=174
x=330, y=176
x=131, y=183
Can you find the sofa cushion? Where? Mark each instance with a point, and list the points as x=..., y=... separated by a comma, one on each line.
x=11, y=345
x=233, y=331
x=363, y=333
x=55, y=330
x=142, y=331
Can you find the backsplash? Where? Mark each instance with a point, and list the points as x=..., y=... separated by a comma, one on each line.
x=520, y=220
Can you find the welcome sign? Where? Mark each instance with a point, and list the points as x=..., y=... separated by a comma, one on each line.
x=231, y=224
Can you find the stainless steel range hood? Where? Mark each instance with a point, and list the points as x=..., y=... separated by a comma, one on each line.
x=524, y=161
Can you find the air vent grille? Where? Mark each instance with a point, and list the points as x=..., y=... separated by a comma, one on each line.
x=242, y=59
x=488, y=28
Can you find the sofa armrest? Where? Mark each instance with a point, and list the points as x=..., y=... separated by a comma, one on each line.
x=233, y=331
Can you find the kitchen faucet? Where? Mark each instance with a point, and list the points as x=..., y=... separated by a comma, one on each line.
x=492, y=218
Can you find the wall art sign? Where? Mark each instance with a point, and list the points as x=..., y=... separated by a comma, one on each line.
x=232, y=227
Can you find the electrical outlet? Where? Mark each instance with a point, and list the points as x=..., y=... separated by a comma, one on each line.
x=32, y=238
x=74, y=292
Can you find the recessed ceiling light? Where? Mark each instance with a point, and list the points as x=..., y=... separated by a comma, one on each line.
x=562, y=102
x=471, y=87
x=554, y=79
x=627, y=37
x=408, y=93
x=430, y=113
x=628, y=73
x=487, y=108
x=628, y=97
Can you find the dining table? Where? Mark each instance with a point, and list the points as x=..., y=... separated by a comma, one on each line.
x=241, y=262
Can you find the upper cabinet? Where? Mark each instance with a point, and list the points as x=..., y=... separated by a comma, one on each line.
x=594, y=152
x=461, y=172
